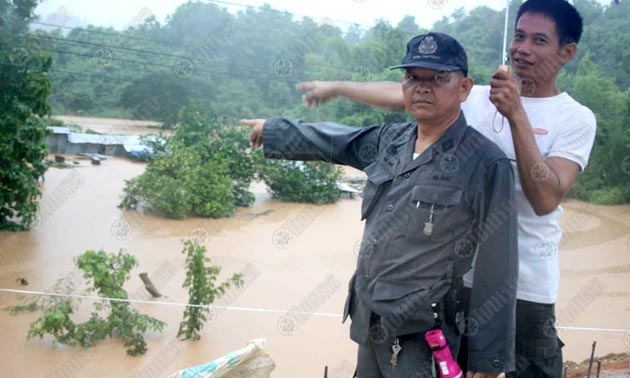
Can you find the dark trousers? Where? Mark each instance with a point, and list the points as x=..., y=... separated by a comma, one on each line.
x=413, y=361
x=538, y=348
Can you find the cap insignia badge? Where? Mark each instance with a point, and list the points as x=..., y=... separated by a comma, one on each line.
x=427, y=46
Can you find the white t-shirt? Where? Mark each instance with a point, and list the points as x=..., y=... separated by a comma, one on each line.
x=562, y=128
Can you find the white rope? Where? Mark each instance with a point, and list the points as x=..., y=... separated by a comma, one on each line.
x=594, y=329
x=169, y=303
x=235, y=308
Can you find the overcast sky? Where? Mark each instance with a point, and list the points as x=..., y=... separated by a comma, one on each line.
x=121, y=13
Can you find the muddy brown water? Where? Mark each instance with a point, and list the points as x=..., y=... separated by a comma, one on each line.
x=292, y=256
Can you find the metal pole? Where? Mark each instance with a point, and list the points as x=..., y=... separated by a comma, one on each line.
x=599, y=367
x=590, y=363
x=325, y=371
x=566, y=370
x=505, y=31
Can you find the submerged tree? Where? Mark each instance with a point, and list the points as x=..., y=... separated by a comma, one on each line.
x=202, y=290
x=105, y=274
x=297, y=181
x=205, y=172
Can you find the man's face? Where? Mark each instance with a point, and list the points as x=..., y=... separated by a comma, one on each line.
x=535, y=51
x=432, y=96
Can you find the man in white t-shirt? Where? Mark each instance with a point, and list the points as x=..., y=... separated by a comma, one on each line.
x=548, y=135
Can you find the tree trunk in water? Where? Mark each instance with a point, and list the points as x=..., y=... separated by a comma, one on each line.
x=149, y=285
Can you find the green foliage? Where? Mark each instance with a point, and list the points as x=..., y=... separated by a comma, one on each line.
x=203, y=170
x=14, y=310
x=610, y=196
x=296, y=181
x=157, y=96
x=24, y=88
x=54, y=122
x=105, y=275
x=58, y=164
x=202, y=289
x=56, y=322
x=607, y=178
x=163, y=194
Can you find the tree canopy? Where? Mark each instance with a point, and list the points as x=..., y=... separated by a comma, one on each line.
x=24, y=88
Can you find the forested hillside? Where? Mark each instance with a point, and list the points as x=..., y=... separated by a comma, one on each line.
x=247, y=64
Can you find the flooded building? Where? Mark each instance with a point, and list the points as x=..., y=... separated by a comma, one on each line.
x=64, y=141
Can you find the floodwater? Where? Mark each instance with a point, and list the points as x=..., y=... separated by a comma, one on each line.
x=293, y=258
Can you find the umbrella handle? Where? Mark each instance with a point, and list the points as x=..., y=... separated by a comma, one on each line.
x=504, y=57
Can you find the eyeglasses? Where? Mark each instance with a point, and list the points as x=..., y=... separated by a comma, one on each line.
x=439, y=79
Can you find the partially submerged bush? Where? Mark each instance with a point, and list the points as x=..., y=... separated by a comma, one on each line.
x=296, y=181
x=204, y=171
x=105, y=275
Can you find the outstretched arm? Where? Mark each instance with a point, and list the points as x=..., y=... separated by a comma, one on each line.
x=383, y=94
x=293, y=139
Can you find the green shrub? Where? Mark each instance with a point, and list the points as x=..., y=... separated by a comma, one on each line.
x=296, y=181
x=610, y=196
x=50, y=121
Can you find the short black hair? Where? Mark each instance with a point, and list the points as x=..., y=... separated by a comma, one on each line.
x=567, y=18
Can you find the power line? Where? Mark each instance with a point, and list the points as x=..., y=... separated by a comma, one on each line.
x=92, y=31
x=110, y=46
x=101, y=76
x=185, y=75
x=259, y=72
x=90, y=56
x=190, y=56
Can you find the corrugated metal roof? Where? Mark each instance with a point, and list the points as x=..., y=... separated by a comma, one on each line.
x=129, y=142
x=59, y=129
x=105, y=139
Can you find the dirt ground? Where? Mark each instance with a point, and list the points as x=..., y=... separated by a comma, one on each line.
x=612, y=365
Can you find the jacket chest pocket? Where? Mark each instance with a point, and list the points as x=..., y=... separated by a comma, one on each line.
x=432, y=211
x=378, y=176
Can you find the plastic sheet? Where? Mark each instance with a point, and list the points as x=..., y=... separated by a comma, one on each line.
x=252, y=361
